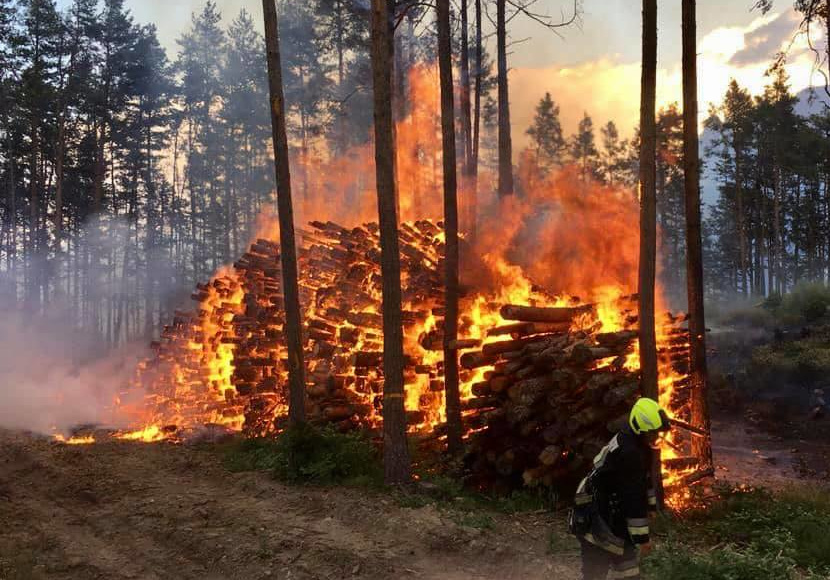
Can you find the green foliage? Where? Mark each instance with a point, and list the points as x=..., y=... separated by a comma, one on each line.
x=803, y=362
x=675, y=561
x=749, y=317
x=808, y=300
x=478, y=520
x=759, y=535
x=304, y=454
x=450, y=492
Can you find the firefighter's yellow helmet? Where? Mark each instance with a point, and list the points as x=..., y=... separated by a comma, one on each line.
x=647, y=417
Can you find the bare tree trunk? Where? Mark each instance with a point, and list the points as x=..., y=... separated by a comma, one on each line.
x=505, y=139
x=288, y=252
x=453, y=400
x=466, y=116
x=396, y=460
x=648, y=216
x=476, y=130
x=739, y=195
x=694, y=246
x=59, y=172
x=478, y=75
x=776, y=229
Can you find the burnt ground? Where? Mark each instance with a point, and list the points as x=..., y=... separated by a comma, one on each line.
x=120, y=510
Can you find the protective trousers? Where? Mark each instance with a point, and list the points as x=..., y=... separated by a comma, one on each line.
x=597, y=562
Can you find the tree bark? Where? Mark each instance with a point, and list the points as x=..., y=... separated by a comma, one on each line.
x=505, y=139
x=739, y=195
x=288, y=252
x=694, y=247
x=473, y=226
x=648, y=217
x=453, y=400
x=648, y=205
x=478, y=75
x=395, y=452
x=466, y=116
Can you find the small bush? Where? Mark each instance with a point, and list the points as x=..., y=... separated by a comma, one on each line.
x=802, y=362
x=303, y=454
x=807, y=300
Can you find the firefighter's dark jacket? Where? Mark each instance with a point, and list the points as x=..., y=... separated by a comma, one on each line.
x=619, y=491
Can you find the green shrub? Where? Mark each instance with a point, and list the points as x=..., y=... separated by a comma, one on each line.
x=772, y=302
x=304, y=454
x=807, y=300
x=802, y=362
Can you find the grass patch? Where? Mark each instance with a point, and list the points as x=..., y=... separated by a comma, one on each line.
x=748, y=535
x=304, y=454
x=445, y=491
x=478, y=520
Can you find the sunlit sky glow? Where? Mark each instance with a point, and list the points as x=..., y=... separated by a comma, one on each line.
x=595, y=66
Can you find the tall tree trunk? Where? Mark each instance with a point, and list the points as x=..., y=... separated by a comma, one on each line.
x=288, y=251
x=467, y=207
x=466, y=116
x=478, y=75
x=739, y=195
x=694, y=246
x=60, y=149
x=396, y=460
x=453, y=400
x=648, y=216
x=505, y=139
x=476, y=130
x=776, y=229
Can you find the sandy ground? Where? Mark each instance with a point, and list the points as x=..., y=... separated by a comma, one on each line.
x=119, y=510
x=745, y=453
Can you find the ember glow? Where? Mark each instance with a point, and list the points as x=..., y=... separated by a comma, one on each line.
x=564, y=243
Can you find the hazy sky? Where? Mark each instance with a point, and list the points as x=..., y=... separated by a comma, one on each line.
x=595, y=67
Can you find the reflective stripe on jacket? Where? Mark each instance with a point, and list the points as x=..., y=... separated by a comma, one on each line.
x=619, y=490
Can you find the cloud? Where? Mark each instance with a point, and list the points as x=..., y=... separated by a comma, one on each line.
x=609, y=88
x=762, y=44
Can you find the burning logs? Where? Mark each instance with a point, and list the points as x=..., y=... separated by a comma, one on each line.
x=543, y=385
x=224, y=362
x=551, y=398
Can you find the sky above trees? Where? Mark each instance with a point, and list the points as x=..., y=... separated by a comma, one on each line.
x=595, y=66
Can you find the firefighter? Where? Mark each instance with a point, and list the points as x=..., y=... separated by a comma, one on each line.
x=610, y=514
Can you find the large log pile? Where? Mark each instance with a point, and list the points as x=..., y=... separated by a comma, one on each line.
x=543, y=386
x=224, y=362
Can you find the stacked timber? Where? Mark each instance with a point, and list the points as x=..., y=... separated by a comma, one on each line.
x=225, y=361
x=553, y=392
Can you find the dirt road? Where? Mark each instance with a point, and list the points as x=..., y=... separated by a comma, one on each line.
x=119, y=510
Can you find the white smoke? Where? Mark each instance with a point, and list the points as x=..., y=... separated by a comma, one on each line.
x=53, y=377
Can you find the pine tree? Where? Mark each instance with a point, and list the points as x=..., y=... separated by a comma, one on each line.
x=648, y=217
x=288, y=252
x=245, y=120
x=546, y=135
x=396, y=460
x=583, y=148
x=615, y=165
x=735, y=137
x=200, y=93
x=453, y=401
